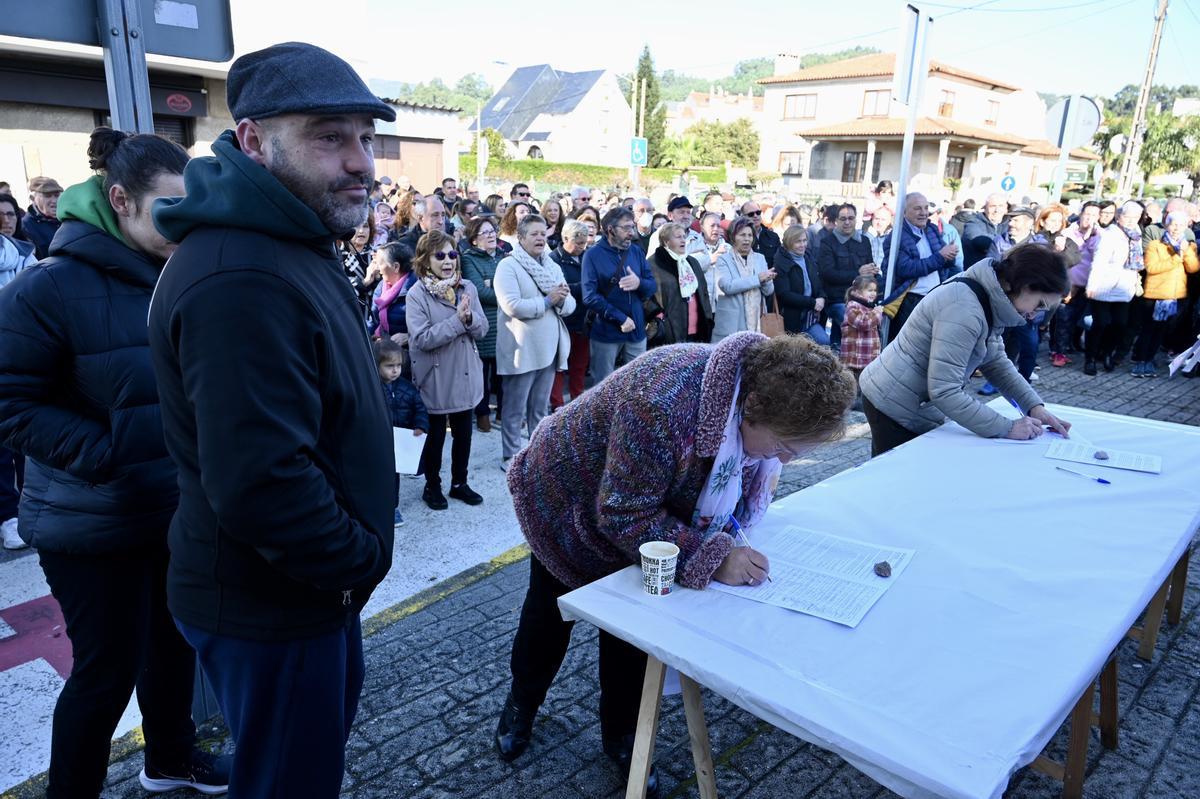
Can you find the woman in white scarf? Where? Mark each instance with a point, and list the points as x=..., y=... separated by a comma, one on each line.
x=743, y=283
x=681, y=309
x=532, y=342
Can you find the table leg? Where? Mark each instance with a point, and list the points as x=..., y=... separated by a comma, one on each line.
x=693, y=707
x=1077, y=747
x=647, y=729
x=1151, y=624
x=1178, y=586
x=1109, y=709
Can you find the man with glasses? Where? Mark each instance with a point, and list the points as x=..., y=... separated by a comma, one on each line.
x=433, y=217
x=844, y=256
x=766, y=241
x=616, y=281
x=520, y=193
x=41, y=222
x=579, y=198
x=923, y=261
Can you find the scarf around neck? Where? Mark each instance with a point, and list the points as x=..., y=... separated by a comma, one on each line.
x=1177, y=246
x=728, y=492
x=544, y=271
x=687, y=277
x=1135, y=248
x=442, y=289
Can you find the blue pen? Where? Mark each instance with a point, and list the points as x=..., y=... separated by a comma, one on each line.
x=737, y=530
x=1099, y=480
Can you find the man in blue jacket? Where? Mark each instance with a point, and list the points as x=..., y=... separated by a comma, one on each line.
x=616, y=280
x=273, y=414
x=923, y=260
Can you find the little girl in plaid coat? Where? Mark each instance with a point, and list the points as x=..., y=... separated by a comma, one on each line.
x=860, y=329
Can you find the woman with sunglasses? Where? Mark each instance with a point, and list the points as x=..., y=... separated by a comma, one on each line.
x=920, y=379
x=445, y=320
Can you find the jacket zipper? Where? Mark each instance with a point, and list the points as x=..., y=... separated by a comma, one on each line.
x=346, y=598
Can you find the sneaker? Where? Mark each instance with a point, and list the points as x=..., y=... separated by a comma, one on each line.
x=11, y=539
x=1137, y=370
x=1034, y=377
x=504, y=464
x=1059, y=360
x=987, y=390
x=1150, y=370
x=463, y=493
x=206, y=773
x=397, y=519
x=434, y=497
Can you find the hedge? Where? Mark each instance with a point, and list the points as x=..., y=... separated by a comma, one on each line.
x=549, y=173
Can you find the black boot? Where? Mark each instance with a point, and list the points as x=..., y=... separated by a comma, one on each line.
x=514, y=730
x=620, y=751
x=1110, y=363
x=1089, y=367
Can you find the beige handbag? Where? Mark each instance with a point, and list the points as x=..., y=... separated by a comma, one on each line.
x=771, y=324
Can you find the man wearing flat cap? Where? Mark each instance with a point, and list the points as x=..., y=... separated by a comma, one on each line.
x=273, y=414
x=40, y=223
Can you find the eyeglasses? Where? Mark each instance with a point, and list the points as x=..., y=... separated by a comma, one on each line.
x=441, y=256
x=752, y=213
x=846, y=218
x=523, y=194
x=627, y=228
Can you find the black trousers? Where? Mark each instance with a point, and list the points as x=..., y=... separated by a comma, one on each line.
x=122, y=637
x=886, y=432
x=541, y=644
x=907, y=306
x=1109, y=323
x=492, y=384
x=460, y=450
x=12, y=475
x=1151, y=334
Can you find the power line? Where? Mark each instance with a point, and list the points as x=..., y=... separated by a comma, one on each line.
x=1030, y=9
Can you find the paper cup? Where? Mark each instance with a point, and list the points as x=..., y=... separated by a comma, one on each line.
x=658, y=566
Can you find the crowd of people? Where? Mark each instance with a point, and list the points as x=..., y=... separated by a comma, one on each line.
x=308, y=308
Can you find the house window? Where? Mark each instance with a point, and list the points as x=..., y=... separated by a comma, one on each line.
x=946, y=105
x=180, y=130
x=800, y=106
x=993, y=114
x=535, y=153
x=854, y=167
x=791, y=163
x=954, y=167
x=876, y=103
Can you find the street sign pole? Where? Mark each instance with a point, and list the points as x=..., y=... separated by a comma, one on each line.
x=1066, y=134
x=912, y=63
x=121, y=36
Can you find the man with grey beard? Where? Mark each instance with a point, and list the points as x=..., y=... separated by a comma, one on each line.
x=273, y=414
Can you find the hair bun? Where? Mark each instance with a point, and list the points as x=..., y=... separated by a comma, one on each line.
x=104, y=142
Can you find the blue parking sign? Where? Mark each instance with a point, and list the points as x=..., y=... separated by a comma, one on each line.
x=638, y=151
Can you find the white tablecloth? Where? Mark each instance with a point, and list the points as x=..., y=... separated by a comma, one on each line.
x=1024, y=581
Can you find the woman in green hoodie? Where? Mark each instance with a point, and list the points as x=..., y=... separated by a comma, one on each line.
x=78, y=400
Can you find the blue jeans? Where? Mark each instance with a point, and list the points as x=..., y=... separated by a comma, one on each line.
x=289, y=706
x=835, y=313
x=605, y=355
x=817, y=333
x=1025, y=340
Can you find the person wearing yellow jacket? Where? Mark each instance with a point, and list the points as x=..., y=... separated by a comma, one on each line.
x=1169, y=261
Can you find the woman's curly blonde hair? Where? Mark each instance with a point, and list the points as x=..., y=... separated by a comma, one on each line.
x=796, y=388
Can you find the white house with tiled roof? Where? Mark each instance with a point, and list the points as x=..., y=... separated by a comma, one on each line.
x=833, y=129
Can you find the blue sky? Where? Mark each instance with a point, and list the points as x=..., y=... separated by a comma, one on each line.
x=1091, y=46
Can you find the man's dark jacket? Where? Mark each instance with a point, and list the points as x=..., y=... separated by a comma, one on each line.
x=272, y=411
x=39, y=229
x=838, y=263
x=767, y=242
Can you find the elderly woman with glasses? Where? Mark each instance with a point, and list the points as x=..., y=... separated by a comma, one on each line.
x=445, y=322
x=920, y=379
x=743, y=282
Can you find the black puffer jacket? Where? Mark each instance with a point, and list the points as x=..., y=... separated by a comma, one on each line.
x=78, y=397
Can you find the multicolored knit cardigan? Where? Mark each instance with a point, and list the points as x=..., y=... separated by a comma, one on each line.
x=626, y=462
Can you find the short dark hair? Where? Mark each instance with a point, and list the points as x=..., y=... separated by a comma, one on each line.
x=969, y=204
x=398, y=253
x=736, y=226
x=843, y=207
x=614, y=218
x=513, y=191
x=1033, y=266
x=448, y=180
x=386, y=350
x=883, y=184
x=471, y=229
x=1090, y=204
x=831, y=211
x=11, y=200
x=133, y=160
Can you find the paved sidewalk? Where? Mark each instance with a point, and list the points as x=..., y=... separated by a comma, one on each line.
x=437, y=671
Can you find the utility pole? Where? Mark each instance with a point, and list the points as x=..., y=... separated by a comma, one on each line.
x=642, y=112
x=633, y=104
x=1137, y=130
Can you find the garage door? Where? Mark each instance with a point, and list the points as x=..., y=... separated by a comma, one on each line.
x=419, y=159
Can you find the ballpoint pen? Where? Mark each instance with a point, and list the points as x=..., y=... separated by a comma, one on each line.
x=738, y=531
x=1099, y=480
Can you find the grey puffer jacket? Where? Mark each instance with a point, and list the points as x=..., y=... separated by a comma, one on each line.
x=919, y=379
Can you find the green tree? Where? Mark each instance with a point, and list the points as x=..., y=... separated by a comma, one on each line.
x=1124, y=101
x=465, y=95
x=497, y=147
x=676, y=85
x=1170, y=145
x=718, y=142
x=656, y=112
x=681, y=152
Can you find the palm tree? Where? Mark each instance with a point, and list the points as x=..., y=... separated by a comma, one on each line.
x=680, y=152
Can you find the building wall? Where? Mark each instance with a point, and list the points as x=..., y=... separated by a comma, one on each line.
x=208, y=128
x=43, y=140
x=430, y=125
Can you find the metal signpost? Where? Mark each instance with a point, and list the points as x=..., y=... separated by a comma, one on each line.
x=127, y=30
x=912, y=64
x=1071, y=123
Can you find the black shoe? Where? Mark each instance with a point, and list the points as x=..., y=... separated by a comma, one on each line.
x=513, y=731
x=620, y=751
x=205, y=773
x=434, y=498
x=463, y=492
x=1089, y=367
x=1109, y=363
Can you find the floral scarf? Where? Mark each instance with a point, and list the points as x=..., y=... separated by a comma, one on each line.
x=752, y=299
x=1135, y=249
x=724, y=493
x=442, y=289
x=687, y=278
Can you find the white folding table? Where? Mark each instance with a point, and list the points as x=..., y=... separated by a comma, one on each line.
x=1025, y=580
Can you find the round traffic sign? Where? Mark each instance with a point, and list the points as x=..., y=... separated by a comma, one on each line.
x=1008, y=183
